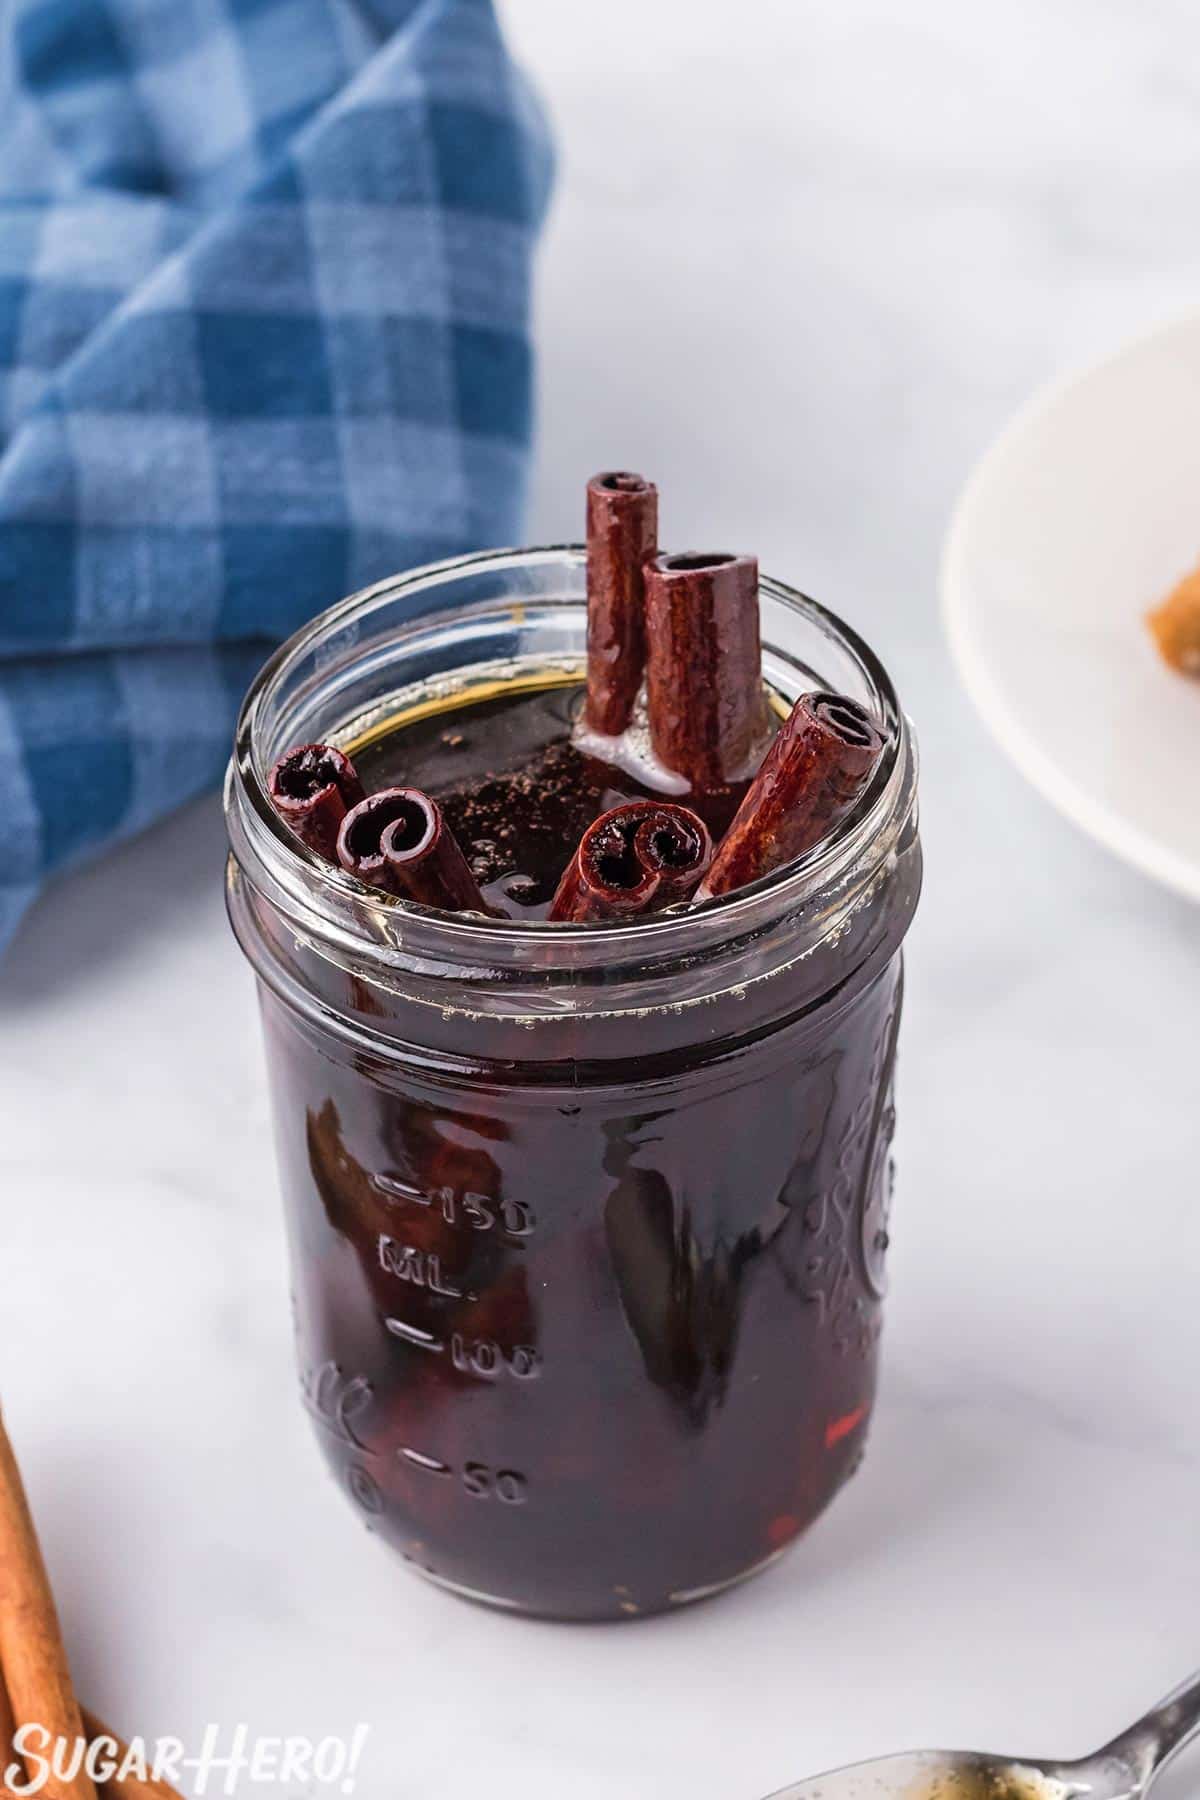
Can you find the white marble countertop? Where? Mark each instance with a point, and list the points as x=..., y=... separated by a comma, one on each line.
x=805, y=259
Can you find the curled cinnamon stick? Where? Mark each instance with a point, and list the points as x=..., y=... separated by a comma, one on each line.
x=634, y=859
x=399, y=841
x=32, y=1655
x=704, y=690
x=312, y=789
x=810, y=777
x=622, y=531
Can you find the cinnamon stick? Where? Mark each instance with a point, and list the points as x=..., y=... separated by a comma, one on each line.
x=32, y=1655
x=675, y=843
x=622, y=531
x=704, y=690
x=312, y=789
x=635, y=858
x=8, y=1726
x=399, y=841
x=123, y=1787
x=811, y=776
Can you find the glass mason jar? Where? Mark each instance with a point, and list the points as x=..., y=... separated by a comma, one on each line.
x=587, y=1223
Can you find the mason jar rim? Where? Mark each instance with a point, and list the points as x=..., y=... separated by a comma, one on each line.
x=373, y=926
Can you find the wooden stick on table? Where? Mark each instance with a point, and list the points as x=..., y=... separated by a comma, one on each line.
x=8, y=1726
x=32, y=1655
x=119, y=1787
x=35, y=1682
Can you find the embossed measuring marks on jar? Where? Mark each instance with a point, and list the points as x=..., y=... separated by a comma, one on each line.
x=512, y=1217
x=449, y=1306
x=335, y=1400
x=477, y=1212
x=471, y=1356
x=467, y=1214
x=846, y=1223
x=480, y=1480
x=446, y=1281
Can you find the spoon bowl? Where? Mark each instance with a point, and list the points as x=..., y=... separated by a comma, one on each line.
x=1123, y=1770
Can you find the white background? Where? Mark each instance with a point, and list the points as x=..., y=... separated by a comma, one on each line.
x=804, y=260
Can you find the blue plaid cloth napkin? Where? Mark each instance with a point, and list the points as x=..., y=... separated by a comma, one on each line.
x=264, y=337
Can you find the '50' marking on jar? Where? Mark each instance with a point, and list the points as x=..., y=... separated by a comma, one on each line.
x=480, y=1480
x=479, y=1211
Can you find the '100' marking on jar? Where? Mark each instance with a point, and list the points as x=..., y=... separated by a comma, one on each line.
x=514, y=1217
x=471, y=1356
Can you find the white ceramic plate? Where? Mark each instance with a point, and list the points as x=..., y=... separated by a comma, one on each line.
x=1076, y=522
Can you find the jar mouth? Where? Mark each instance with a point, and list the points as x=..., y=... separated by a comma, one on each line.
x=324, y=900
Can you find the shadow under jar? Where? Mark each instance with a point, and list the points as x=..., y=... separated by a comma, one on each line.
x=587, y=1223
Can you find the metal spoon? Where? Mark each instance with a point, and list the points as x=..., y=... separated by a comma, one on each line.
x=1123, y=1770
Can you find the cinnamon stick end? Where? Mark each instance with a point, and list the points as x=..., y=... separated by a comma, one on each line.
x=809, y=780
x=398, y=840
x=312, y=788
x=635, y=859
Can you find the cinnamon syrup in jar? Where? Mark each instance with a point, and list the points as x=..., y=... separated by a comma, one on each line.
x=596, y=1347
x=517, y=784
x=588, y=1226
